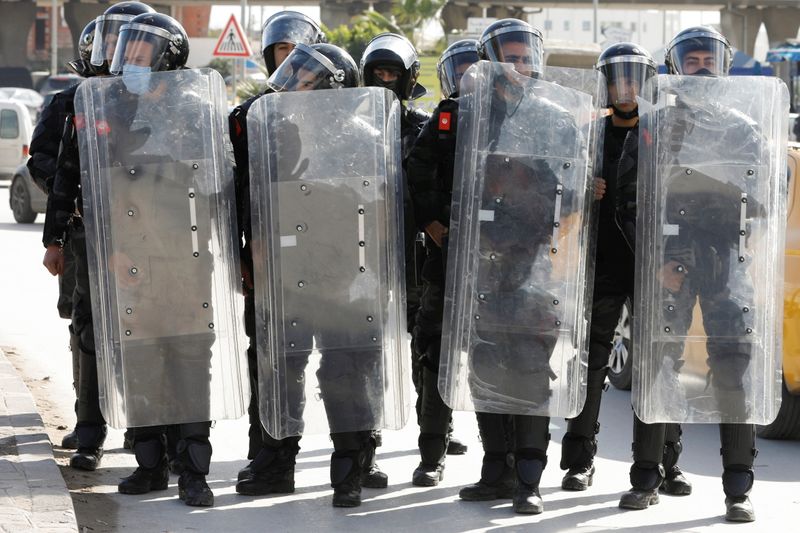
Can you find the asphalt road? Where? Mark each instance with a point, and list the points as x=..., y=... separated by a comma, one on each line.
x=36, y=340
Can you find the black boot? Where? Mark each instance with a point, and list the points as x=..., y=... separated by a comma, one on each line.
x=529, y=465
x=454, y=446
x=272, y=470
x=577, y=458
x=432, y=450
x=193, y=489
x=70, y=440
x=738, y=452
x=497, y=480
x=152, y=473
x=675, y=483
x=372, y=477
x=90, y=446
x=645, y=480
x=346, y=469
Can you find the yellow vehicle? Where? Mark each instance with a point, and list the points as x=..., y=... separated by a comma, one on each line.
x=787, y=424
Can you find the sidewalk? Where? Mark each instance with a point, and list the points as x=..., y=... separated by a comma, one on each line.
x=33, y=495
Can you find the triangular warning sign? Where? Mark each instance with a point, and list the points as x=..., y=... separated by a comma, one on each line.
x=232, y=42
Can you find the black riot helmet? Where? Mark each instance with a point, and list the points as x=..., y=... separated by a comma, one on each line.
x=287, y=27
x=394, y=52
x=153, y=41
x=513, y=41
x=107, y=30
x=455, y=60
x=699, y=51
x=315, y=66
x=83, y=65
x=626, y=67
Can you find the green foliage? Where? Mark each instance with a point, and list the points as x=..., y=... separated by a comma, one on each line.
x=223, y=66
x=249, y=88
x=411, y=15
x=354, y=38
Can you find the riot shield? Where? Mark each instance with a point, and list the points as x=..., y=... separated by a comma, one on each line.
x=327, y=243
x=514, y=325
x=159, y=213
x=711, y=215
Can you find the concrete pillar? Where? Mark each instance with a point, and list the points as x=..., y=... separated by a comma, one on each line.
x=454, y=16
x=16, y=20
x=781, y=23
x=78, y=15
x=741, y=26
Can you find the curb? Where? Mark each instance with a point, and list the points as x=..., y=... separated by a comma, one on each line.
x=33, y=495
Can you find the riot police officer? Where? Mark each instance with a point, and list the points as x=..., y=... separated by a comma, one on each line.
x=626, y=67
x=42, y=167
x=64, y=227
x=692, y=272
x=514, y=445
x=271, y=469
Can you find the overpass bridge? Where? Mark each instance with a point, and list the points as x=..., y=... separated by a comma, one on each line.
x=740, y=19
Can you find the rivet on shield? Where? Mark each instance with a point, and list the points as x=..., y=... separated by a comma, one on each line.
x=667, y=329
x=362, y=269
x=369, y=319
x=210, y=325
x=294, y=323
x=130, y=212
x=291, y=345
x=555, y=302
x=127, y=333
x=195, y=166
x=301, y=284
x=558, y=322
x=745, y=309
x=751, y=172
x=303, y=187
x=682, y=211
x=366, y=183
x=362, y=243
x=567, y=165
x=559, y=192
x=742, y=232
x=748, y=331
x=741, y=259
x=205, y=305
x=481, y=296
x=132, y=171
x=129, y=311
x=492, y=257
x=680, y=268
x=556, y=224
x=688, y=171
x=670, y=308
x=744, y=200
x=300, y=227
x=194, y=228
x=361, y=211
x=477, y=317
x=507, y=159
x=553, y=250
x=191, y=195
x=374, y=339
x=196, y=254
x=134, y=271
x=498, y=200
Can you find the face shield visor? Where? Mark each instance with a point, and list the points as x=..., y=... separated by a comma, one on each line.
x=523, y=49
x=306, y=70
x=700, y=55
x=106, y=34
x=292, y=30
x=452, y=66
x=626, y=76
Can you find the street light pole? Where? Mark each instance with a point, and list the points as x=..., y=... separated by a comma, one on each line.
x=54, y=37
x=594, y=24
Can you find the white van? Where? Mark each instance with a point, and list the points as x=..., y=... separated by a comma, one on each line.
x=16, y=130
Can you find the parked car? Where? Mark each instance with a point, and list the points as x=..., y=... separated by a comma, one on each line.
x=27, y=97
x=16, y=130
x=16, y=77
x=58, y=83
x=25, y=199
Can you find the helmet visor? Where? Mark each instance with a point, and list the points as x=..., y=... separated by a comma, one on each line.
x=288, y=29
x=141, y=45
x=700, y=56
x=106, y=34
x=519, y=48
x=306, y=70
x=389, y=49
x=452, y=68
x=626, y=76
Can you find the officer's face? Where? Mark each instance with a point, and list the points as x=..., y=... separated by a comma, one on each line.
x=139, y=53
x=698, y=60
x=386, y=75
x=111, y=46
x=519, y=55
x=306, y=80
x=623, y=93
x=280, y=51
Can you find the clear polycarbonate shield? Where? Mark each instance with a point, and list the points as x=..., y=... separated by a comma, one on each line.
x=514, y=324
x=711, y=216
x=159, y=214
x=325, y=182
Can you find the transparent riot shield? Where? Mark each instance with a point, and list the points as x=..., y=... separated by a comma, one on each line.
x=160, y=231
x=327, y=259
x=711, y=215
x=514, y=324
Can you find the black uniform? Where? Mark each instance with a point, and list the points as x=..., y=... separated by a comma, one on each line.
x=703, y=250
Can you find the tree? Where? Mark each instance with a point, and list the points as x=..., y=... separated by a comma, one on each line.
x=354, y=39
x=412, y=15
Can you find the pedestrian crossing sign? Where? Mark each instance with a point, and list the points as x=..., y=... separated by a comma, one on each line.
x=232, y=42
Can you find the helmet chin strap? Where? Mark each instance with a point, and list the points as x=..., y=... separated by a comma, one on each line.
x=625, y=115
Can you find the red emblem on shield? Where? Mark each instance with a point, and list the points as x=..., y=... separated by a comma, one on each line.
x=444, y=122
x=102, y=128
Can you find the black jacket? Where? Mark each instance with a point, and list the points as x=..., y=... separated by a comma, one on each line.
x=46, y=138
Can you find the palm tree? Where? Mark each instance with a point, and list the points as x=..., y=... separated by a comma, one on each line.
x=412, y=15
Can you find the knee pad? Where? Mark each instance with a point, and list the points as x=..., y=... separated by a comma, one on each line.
x=737, y=480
